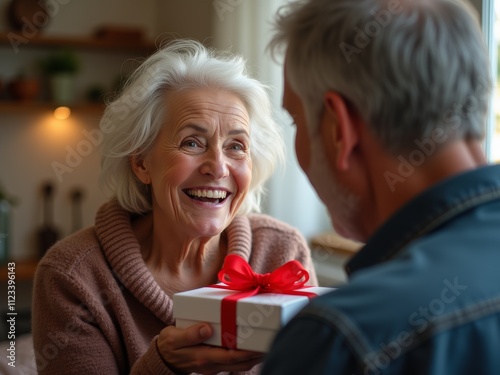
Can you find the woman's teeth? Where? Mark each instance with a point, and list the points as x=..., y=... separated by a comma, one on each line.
x=212, y=194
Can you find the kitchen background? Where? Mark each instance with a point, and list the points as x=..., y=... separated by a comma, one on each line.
x=59, y=158
x=37, y=149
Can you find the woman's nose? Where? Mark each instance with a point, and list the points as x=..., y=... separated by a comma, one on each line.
x=215, y=164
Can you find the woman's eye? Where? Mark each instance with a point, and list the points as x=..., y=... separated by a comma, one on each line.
x=237, y=146
x=238, y=150
x=190, y=144
x=193, y=146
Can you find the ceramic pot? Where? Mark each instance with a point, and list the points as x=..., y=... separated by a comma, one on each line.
x=26, y=89
x=62, y=88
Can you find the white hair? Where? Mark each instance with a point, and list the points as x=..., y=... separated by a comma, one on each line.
x=131, y=123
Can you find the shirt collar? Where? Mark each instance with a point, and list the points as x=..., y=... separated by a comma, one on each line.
x=432, y=208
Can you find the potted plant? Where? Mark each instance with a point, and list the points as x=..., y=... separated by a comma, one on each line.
x=61, y=67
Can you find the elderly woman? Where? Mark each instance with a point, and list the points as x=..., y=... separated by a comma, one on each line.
x=187, y=148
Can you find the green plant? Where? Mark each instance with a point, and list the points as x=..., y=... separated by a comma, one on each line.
x=63, y=61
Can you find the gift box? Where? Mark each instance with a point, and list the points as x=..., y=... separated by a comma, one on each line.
x=249, y=315
x=258, y=318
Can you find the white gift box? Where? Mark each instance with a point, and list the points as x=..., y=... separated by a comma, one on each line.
x=258, y=318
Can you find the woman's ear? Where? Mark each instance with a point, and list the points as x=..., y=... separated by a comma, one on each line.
x=139, y=167
x=339, y=130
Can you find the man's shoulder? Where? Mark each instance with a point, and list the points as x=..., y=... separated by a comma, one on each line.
x=399, y=286
x=426, y=285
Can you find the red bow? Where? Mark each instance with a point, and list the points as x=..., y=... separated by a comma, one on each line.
x=237, y=274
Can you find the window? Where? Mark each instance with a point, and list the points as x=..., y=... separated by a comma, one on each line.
x=491, y=29
x=494, y=128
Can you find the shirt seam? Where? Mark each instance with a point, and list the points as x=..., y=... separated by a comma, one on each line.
x=338, y=322
x=443, y=216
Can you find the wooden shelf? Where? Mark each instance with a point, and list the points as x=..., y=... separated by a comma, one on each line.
x=24, y=270
x=27, y=107
x=334, y=243
x=90, y=43
x=134, y=46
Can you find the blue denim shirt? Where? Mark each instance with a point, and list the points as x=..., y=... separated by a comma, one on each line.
x=423, y=295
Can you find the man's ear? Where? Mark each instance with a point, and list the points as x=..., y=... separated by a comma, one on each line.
x=339, y=129
x=139, y=167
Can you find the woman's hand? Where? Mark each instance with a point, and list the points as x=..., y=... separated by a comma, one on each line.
x=183, y=351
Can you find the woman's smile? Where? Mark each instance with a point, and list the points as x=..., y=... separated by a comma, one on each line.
x=200, y=166
x=212, y=196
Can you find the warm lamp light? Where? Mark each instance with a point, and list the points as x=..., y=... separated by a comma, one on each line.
x=62, y=113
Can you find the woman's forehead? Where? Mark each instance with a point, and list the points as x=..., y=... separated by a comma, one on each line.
x=206, y=102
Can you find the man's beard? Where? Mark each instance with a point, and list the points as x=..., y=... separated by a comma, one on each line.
x=343, y=205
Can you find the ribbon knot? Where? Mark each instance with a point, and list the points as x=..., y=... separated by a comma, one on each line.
x=237, y=274
x=263, y=280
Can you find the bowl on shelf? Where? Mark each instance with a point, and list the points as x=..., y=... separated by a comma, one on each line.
x=25, y=89
x=27, y=13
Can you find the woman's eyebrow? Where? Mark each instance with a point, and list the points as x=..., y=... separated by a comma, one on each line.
x=195, y=127
x=238, y=131
x=201, y=129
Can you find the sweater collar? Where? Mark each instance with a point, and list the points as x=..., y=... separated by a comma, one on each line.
x=122, y=251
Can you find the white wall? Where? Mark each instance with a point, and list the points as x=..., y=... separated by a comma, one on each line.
x=185, y=19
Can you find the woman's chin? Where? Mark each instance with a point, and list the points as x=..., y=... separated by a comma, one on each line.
x=209, y=228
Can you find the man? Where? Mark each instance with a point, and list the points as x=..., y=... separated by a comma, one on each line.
x=389, y=99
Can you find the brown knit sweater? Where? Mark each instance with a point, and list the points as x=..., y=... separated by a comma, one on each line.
x=98, y=310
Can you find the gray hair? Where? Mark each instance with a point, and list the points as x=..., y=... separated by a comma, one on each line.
x=405, y=67
x=131, y=123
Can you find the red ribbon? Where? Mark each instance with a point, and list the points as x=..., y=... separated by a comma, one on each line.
x=237, y=274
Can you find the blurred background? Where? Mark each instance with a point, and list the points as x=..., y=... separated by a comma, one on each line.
x=85, y=49
x=59, y=61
